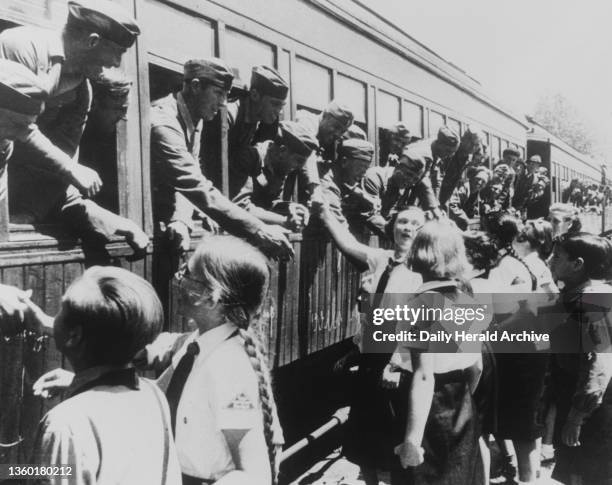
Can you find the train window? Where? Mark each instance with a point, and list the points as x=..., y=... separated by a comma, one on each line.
x=494, y=149
x=312, y=85
x=505, y=144
x=353, y=94
x=43, y=12
x=412, y=115
x=436, y=121
x=196, y=39
x=454, y=125
x=163, y=81
x=244, y=52
x=387, y=109
x=522, y=150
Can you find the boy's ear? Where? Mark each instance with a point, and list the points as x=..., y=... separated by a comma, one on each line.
x=74, y=338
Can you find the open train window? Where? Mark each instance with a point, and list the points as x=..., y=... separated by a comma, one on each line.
x=454, y=125
x=412, y=115
x=387, y=109
x=353, y=94
x=494, y=149
x=436, y=121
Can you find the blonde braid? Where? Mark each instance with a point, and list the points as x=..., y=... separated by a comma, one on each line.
x=266, y=397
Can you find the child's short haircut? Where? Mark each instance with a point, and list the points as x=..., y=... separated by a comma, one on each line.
x=118, y=311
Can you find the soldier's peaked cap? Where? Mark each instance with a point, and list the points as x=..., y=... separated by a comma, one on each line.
x=213, y=70
x=511, y=151
x=269, y=82
x=341, y=112
x=105, y=18
x=297, y=138
x=399, y=129
x=447, y=137
x=20, y=89
x=356, y=149
x=535, y=159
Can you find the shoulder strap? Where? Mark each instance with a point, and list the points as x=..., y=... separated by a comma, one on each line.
x=156, y=393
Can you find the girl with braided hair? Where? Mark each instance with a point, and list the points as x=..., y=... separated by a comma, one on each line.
x=521, y=374
x=218, y=386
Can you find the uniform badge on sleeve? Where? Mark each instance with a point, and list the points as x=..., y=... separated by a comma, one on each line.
x=241, y=403
x=239, y=413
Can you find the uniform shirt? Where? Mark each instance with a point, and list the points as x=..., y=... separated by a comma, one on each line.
x=252, y=181
x=175, y=168
x=434, y=169
x=392, y=200
x=66, y=109
x=346, y=202
x=453, y=174
x=242, y=133
x=465, y=205
x=109, y=433
x=221, y=393
x=401, y=280
x=320, y=160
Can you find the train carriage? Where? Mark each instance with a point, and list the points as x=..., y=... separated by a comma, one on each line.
x=326, y=49
x=565, y=164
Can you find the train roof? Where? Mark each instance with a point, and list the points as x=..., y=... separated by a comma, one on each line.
x=374, y=25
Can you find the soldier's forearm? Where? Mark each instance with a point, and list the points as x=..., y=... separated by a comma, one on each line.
x=43, y=153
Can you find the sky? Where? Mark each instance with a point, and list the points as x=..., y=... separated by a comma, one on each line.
x=520, y=50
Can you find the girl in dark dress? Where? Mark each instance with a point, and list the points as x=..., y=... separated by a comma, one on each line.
x=521, y=376
x=582, y=362
x=440, y=421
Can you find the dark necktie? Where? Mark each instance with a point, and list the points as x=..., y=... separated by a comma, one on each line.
x=382, y=282
x=177, y=383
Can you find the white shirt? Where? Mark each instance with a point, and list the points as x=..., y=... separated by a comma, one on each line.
x=221, y=393
x=111, y=435
x=401, y=280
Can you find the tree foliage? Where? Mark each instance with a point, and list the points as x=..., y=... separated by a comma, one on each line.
x=557, y=115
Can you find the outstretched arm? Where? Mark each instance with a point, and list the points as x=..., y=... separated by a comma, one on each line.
x=347, y=243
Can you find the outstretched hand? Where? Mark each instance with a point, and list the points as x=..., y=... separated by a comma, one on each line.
x=274, y=242
x=13, y=307
x=52, y=383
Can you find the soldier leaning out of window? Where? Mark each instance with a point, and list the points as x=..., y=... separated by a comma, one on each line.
x=257, y=180
x=44, y=167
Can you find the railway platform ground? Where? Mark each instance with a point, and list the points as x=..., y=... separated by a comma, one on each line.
x=335, y=469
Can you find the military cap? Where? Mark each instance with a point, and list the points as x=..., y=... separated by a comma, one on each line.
x=239, y=87
x=399, y=129
x=113, y=84
x=410, y=153
x=213, y=70
x=105, y=18
x=269, y=82
x=513, y=152
x=341, y=112
x=447, y=137
x=20, y=89
x=535, y=159
x=297, y=138
x=354, y=131
x=356, y=149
